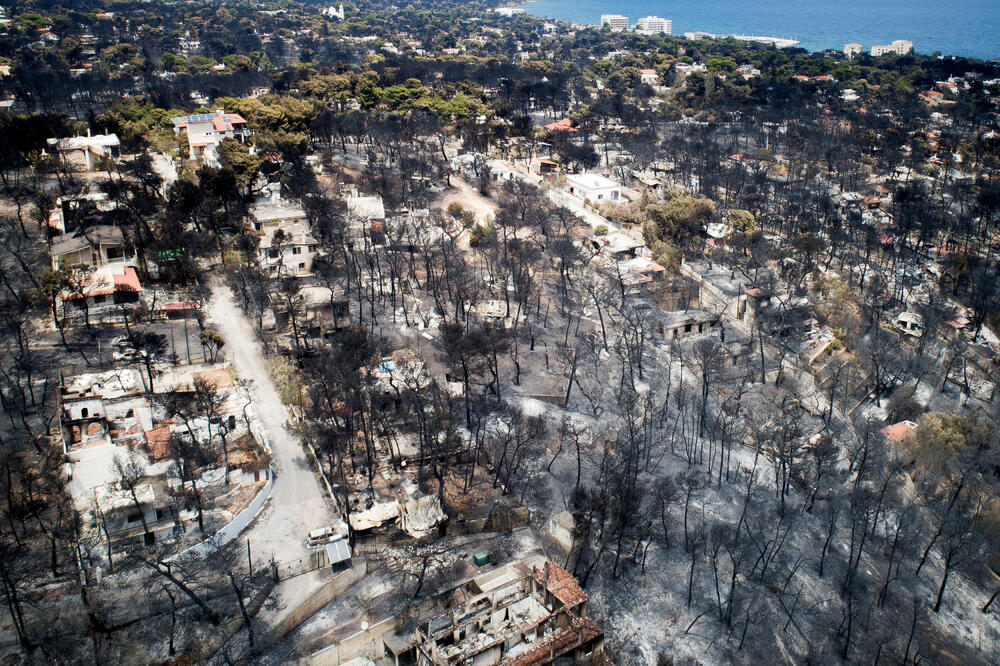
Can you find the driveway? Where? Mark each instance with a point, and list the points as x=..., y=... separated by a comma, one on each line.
x=165, y=168
x=297, y=503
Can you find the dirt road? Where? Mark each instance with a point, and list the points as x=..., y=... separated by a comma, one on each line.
x=297, y=503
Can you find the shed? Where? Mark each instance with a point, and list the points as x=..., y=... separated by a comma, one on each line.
x=338, y=551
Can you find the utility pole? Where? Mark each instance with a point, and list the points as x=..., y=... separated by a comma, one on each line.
x=187, y=341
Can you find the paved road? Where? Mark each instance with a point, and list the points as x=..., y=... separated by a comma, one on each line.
x=297, y=503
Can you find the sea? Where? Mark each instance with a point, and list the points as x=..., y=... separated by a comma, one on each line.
x=957, y=27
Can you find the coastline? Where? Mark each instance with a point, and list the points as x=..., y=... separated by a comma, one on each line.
x=817, y=27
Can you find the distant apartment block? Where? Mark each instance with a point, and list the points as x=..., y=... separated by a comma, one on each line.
x=898, y=47
x=654, y=25
x=508, y=11
x=616, y=22
x=852, y=49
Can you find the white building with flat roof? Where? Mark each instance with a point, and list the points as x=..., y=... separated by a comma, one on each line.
x=85, y=151
x=852, y=49
x=616, y=22
x=654, y=25
x=898, y=47
x=593, y=187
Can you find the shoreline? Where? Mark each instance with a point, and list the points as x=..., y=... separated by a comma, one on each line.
x=811, y=45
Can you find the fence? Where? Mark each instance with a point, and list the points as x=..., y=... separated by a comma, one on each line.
x=314, y=560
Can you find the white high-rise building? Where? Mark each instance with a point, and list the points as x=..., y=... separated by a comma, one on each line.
x=852, y=49
x=654, y=25
x=616, y=22
x=898, y=46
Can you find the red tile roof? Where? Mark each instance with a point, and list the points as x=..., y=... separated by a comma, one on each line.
x=99, y=285
x=564, y=125
x=561, y=584
x=158, y=441
x=897, y=432
x=127, y=281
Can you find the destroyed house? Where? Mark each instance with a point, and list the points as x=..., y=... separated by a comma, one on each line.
x=618, y=246
x=516, y=615
x=327, y=310
x=144, y=514
x=87, y=210
x=85, y=152
x=103, y=408
x=397, y=374
x=679, y=325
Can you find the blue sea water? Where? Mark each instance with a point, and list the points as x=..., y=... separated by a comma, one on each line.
x=959, y=27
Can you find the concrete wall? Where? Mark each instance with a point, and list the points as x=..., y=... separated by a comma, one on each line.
x=318, y=599
x=366, y=643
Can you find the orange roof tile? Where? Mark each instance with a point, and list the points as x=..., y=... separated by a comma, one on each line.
x=129, y=280
x=897, y=432
x=158, y=441
x=564, y=125
x=561, y=584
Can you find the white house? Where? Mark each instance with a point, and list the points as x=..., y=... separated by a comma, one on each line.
x=206, y=130
x=93, y=246
x=84, y=151
x=649, y=76
x=503, y=171
x=910, y=323
x=593, y=187
x=272, y=211
x=289, y=255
